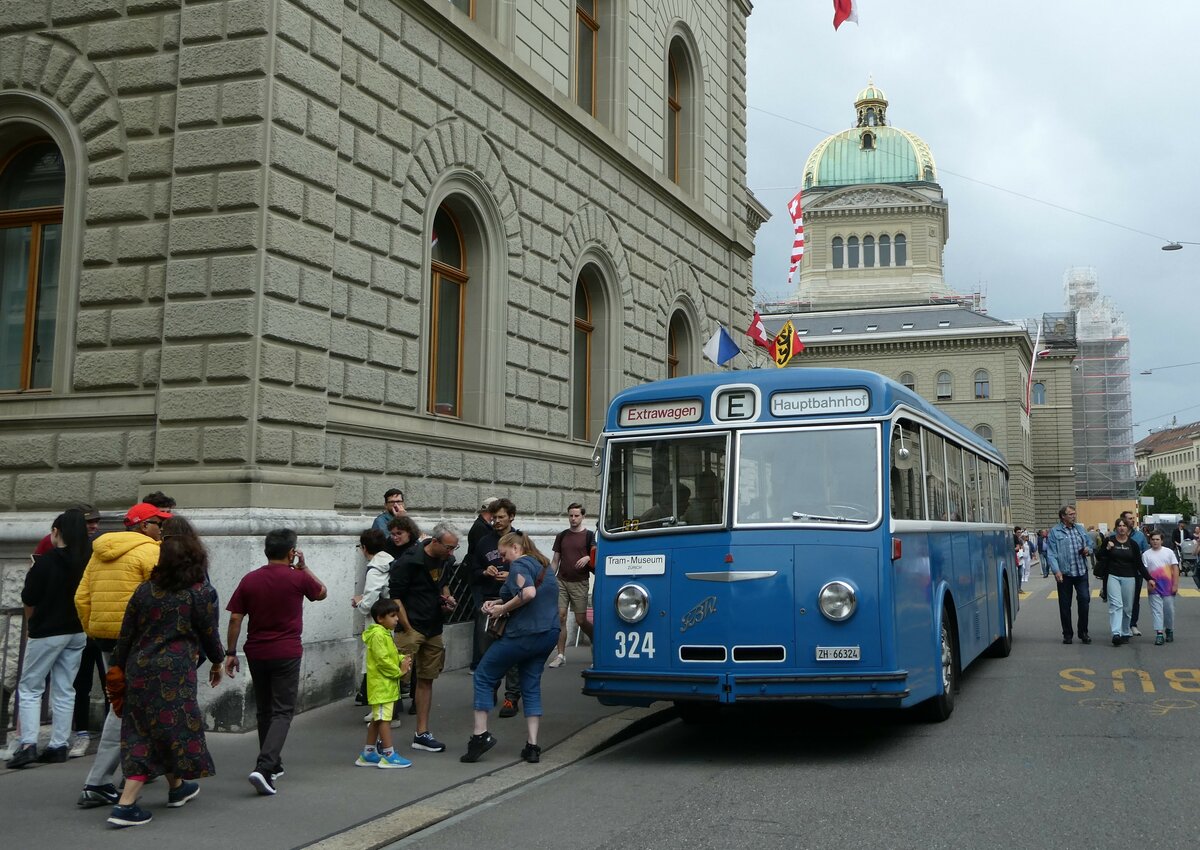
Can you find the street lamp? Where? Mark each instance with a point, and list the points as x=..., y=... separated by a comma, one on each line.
x=1177, y=246
x=1172, y=366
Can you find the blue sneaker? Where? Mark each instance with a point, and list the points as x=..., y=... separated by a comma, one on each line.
x=393, y=760
x=425, y=741
x=181, y=793
x=368, y=759
x=131, y=815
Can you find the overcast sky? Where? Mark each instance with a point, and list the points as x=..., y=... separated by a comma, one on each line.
x=1091, y=105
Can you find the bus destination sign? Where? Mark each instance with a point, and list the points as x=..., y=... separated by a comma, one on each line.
x=680, y=411
x=635, y=565
x=820, y=402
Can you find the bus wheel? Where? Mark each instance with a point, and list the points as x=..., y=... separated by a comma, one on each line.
x=696, y=713
x=938, y=708
x=1002, y=647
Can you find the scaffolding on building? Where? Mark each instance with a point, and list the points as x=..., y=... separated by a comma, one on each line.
x=1101, y=395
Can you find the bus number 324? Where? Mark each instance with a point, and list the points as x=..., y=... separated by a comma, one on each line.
x=634, y=645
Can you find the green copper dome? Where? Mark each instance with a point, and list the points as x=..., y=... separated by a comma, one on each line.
x=871, y=152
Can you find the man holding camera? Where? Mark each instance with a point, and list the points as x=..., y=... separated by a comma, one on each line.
x=1068, y=549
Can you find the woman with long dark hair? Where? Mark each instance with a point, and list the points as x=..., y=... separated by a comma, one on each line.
x=170, y=623
x=529, y=599
x=1120, y=561
x=56, y=639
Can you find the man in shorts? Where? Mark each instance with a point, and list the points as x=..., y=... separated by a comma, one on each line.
x=572, y=557
x=419, y=582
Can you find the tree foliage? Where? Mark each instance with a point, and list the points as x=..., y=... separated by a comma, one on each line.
x=1166, y=497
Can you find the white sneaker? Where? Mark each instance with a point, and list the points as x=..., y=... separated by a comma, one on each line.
x=559, y=660
x=79, y=747
x=1135, y=631
x=367, y=718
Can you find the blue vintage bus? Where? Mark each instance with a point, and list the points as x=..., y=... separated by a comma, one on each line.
x=802, y=534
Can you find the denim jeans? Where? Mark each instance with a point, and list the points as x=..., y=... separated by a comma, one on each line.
x=56, y=657
x=276, y=684
x=527, y=654
x=1077, y=585
x=1162, y=609
x=108, y=751
x=1120, y=604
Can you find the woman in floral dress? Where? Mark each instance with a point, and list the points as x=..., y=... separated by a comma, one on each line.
x=170, y=622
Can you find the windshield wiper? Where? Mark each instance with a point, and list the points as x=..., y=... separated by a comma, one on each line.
x=665, y=520
x=798, y=515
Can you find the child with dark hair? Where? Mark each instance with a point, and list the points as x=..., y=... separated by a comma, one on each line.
x=385, y=667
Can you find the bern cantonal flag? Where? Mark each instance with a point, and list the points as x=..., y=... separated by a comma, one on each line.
x=844, y=10
x=798, y=239
x=786, y=344
x=721, y=348
x=758, y=333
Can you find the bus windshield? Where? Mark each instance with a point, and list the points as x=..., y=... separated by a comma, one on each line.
x=664, y=483
x=808, y=475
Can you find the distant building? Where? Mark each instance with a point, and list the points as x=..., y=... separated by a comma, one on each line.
x=1174, y=451
x=873, y=295
x=1101, y=391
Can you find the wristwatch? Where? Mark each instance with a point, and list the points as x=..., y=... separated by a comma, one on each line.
x=231, y=653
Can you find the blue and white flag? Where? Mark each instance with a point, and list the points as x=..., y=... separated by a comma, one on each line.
x=721, y=348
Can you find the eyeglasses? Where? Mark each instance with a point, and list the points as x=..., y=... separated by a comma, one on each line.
x=447, y=546
x=156, y=522
x=394, y=502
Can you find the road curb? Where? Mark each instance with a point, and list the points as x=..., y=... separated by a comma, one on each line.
x=424, y=813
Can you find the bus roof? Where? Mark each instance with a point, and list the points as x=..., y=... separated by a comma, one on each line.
x=883, y=393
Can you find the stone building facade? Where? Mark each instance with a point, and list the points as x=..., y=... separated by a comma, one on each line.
x=1175, y=452
x=311, y=249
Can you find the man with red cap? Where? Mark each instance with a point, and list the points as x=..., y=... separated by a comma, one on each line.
x=121, y=560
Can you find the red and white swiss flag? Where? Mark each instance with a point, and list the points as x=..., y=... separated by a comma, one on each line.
x=797, y=215
x=844, y=10
x=758, y=332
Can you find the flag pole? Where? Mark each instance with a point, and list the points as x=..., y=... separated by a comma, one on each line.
x=1032, y=363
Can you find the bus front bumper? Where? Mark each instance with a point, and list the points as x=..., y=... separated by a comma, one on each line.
x=613, y=687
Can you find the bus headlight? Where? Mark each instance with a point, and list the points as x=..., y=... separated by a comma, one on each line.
x=837, y=601
x=633, y=603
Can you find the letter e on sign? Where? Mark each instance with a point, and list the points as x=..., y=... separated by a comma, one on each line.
x=736, y=404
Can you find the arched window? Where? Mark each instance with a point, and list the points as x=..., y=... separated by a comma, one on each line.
x=581, y=363
x=448, y=262
x=983, y=384
x=852, y=252
x=32, y=189
x=909, y=380
x=868, y=251
x=839, y=258
x=901, y=245
x=885, y=250
x=1039, y=393
x=984, y=431
x=868, y=141
x=679, y=346
x=682, y=107
x=590, y=347
x=945, y=386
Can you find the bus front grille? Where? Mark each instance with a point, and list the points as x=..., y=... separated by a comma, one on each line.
x=759, y=653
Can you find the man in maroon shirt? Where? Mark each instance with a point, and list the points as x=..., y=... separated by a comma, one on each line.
x=273, y=598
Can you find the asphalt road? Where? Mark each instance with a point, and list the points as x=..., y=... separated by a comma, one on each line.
x=1055, y=747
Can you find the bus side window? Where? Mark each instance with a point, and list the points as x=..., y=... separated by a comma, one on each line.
x=935, y=460
x=906, y=477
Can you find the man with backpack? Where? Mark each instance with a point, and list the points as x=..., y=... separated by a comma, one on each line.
x=572, y=558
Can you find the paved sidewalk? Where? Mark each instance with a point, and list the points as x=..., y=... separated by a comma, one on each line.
x=323, y=794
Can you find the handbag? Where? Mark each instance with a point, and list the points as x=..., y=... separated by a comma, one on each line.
x=496, y=625
x=114, y=689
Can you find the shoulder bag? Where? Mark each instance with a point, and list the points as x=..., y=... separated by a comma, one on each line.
x=497, y=625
